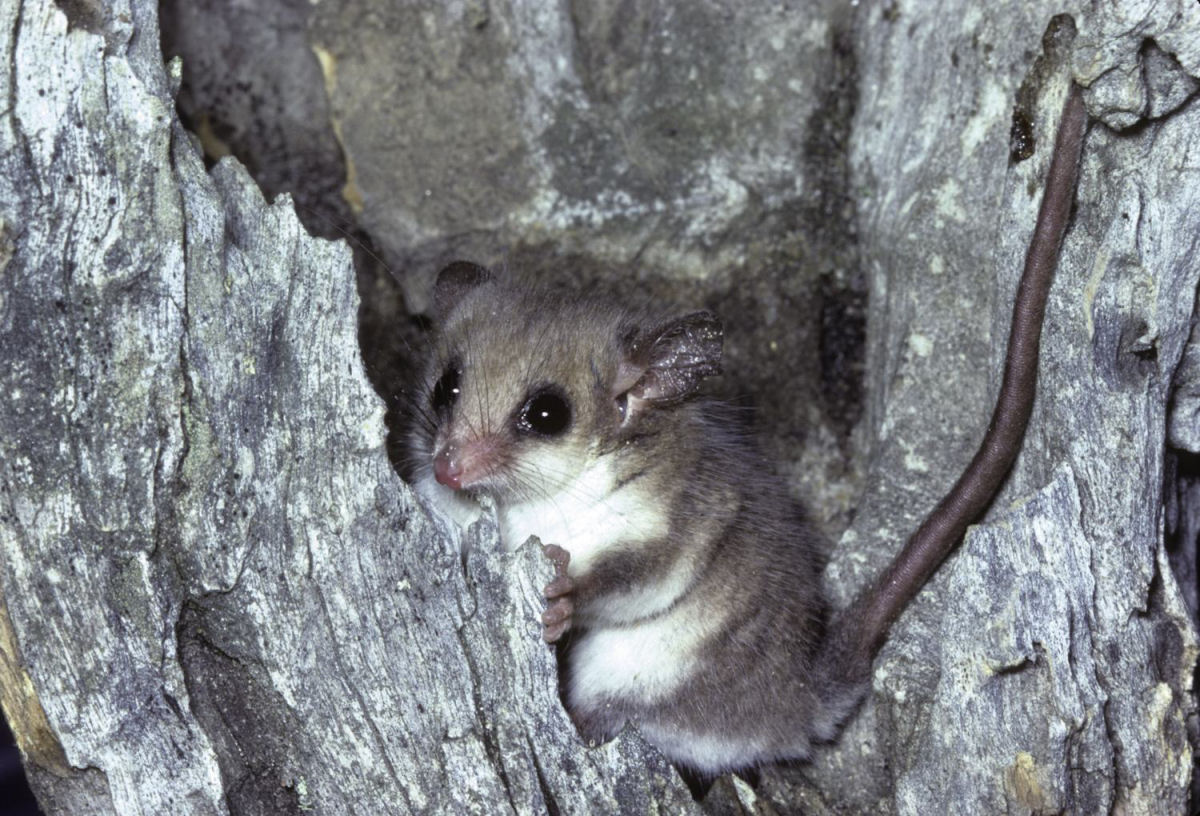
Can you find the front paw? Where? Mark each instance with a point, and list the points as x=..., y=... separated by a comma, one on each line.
x=557, y=618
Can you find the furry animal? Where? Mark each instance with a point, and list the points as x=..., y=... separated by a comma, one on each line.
x=687, y=589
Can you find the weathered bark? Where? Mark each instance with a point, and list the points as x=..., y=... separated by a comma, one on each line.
x=218, y=597
x=1048, y=666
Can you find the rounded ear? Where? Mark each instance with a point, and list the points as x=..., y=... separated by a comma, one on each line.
x=453, y=282
x=674, y=357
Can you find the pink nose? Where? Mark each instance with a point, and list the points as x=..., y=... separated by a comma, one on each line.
x=448, y=469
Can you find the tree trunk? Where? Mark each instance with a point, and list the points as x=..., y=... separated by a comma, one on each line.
x=217, y=596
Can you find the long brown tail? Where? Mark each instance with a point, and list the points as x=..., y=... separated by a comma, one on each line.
x=862, y=628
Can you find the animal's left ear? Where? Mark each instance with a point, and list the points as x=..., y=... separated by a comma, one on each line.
x=454, y=282
x=674, y=357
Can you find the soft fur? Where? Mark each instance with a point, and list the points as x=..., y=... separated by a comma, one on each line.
x=697, y=608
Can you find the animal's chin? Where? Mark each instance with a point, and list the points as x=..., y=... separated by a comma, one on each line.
x=483, y=493
x=475, y=494
x=488, y=488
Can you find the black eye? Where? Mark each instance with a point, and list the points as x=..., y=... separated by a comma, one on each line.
x=623, y=405
x=546, y=413
x=445, y=391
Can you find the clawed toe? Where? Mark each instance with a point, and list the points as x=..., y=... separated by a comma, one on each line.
x=556, y=620
x=558, y=555
x=560, y=586
x=551, y=634
x=557, y=612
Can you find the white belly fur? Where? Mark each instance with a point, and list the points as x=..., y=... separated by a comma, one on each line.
x=586, y=517
x=642, y=662
x=713, y=753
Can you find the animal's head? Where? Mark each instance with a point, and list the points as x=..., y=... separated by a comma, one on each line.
x=526, y=388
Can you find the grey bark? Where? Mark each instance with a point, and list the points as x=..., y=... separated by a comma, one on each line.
x=219, y=597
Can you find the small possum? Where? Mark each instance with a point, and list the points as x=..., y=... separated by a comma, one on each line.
x=687, y=590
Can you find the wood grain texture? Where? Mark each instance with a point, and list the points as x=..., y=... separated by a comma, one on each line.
x=226, y=600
